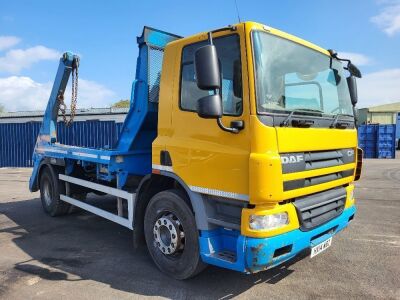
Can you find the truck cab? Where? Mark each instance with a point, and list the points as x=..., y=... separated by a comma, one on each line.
x=244, y=173
x=289, y=170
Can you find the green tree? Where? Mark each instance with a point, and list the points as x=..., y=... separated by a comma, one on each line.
x=121, y=103
x=1, y=108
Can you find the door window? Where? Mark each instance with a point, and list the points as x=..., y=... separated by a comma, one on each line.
x=228, y=49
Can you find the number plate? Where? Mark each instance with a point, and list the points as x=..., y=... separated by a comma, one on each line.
x=320, y=247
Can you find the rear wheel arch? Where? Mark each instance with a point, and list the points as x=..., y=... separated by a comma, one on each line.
x=55, y=170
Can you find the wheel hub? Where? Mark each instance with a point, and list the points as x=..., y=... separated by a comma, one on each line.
x=168, y=234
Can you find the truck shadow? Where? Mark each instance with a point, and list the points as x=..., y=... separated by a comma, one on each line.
x=82, y=246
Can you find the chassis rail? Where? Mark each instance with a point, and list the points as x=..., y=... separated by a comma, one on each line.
x=120, y=194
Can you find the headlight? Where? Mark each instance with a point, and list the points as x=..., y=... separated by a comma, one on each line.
x=260, y=222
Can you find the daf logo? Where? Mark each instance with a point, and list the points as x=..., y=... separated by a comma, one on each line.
x=292, y=159
x=350, y=152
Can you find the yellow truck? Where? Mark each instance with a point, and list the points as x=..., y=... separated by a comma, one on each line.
x=239, y=150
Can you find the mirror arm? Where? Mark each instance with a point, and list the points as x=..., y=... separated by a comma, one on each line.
x=228, y=129
x=210, y=39
x=219, y=120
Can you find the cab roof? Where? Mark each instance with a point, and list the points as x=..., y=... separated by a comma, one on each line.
x=249, y=26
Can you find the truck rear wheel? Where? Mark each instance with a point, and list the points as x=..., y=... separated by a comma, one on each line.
x=171, y=235
x=50, y=190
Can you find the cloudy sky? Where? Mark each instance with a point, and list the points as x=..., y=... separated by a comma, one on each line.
x=33, y=34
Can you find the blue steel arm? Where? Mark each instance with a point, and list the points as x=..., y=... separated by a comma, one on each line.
x=48, y=130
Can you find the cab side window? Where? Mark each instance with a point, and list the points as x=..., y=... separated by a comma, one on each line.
x=228, y=49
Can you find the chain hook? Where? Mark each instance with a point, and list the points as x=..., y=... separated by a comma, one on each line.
x=74, y=95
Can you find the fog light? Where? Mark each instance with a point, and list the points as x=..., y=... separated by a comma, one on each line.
x=260, y=222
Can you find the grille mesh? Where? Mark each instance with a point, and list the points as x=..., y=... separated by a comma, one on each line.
x=317, y=209
x=155, y=65
x=306, y=161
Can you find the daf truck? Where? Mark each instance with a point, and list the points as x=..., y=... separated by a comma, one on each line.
x=239, y=150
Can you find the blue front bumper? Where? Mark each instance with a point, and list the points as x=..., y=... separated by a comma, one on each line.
x=229, y=249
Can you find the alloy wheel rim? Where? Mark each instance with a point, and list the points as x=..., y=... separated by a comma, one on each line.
x=169, y=236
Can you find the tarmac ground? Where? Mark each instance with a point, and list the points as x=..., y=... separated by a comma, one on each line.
x=81, y=256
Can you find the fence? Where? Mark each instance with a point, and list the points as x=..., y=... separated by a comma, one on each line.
x=17, y=140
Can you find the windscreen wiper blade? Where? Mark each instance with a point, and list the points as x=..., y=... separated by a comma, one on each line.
x=335, y=122
x=285, y=123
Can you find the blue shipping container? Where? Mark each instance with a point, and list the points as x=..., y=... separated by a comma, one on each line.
x=367, y=133
x=377, y=141
x=386, y=141
x=398, y=131
x=17, y=140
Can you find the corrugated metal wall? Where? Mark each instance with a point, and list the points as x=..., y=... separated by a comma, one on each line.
x=368, y=117
x=17, y=140
x=382, y=117
x=16, y=143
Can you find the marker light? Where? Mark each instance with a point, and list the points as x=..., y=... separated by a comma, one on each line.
x=260, y=222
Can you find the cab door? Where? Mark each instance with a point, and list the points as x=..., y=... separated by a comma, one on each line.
x=208, y=159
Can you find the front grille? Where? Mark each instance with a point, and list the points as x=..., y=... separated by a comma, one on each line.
x=305, y=161
x=300, y=183
x=317, y=209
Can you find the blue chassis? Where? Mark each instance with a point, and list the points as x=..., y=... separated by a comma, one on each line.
x=257, y=254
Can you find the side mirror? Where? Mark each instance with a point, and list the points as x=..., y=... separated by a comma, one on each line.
x=354, y=71
x=207, y=68
x=352, y=84
x=210, y=107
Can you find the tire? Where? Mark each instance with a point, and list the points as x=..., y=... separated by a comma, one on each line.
x=184, y=261
x=50, y=190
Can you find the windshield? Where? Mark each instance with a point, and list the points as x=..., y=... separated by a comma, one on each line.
x=290, y=77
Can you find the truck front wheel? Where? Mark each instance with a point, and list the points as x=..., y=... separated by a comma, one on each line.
x=172, y=236
x=50, y=190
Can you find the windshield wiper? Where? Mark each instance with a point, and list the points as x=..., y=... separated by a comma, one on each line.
x=337, y=124
x=285, y=123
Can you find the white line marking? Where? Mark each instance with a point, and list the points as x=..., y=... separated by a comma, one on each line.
x=219, y=193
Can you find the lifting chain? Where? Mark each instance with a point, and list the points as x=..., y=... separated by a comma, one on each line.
x=74, y=97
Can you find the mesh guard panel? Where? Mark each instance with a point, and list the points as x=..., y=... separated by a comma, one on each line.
x=154, y=66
